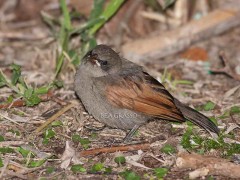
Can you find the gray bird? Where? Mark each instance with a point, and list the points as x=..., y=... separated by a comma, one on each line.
x=122, y=95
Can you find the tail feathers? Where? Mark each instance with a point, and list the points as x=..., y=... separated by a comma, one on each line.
x=196, y=117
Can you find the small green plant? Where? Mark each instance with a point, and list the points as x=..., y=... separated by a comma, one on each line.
x=5, y=150
x=168, y=149
x=167, y=78
x=36, y=163
x=48, y=134
x=28, y=158
x=85, y=142
x=160, y=172
x=21, y=89
x=50, y=170
x=209, y=106
x=196, y=143
x=1, y=138
x=57, y=123
x=232, y=111
x=120, y=160
x=25, y=153
x=99, y=167
x=1, y=162
x=78, y=168
x=98, y=17
x=129, y=175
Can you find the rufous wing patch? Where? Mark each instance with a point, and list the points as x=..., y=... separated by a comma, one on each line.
x=141, y=97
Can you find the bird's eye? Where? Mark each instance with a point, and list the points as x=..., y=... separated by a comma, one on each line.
x=103, y=62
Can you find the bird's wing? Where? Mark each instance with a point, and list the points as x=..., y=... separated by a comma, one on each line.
x=140, y=92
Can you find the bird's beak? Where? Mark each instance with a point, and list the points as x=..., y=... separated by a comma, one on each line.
x=97, y=63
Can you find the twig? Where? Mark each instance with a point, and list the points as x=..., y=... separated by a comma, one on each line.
x=20, y=102
x=51, y=119
x=9, y=119
x=208, y=165
x=11, y=143
x=132, y=147
x=226, y=67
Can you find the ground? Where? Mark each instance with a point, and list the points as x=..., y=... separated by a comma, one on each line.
x=54, y=152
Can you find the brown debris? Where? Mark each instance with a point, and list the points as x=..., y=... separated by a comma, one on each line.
x=208, y=165
x=195, y=54
x=226, y=69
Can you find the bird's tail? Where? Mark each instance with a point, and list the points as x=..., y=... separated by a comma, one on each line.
x=196, y=117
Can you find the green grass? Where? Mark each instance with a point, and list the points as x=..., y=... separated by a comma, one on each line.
x=63, y=31
x=21, y=89
x=98, y=17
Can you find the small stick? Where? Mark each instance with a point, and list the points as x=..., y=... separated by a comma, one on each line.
x=226, y=67
x=132, y=147
x=11, y=143
x=52, y=118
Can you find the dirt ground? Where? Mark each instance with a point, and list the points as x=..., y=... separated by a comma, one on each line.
x=27, y=41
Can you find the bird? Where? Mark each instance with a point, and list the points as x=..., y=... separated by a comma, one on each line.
x=121, y=94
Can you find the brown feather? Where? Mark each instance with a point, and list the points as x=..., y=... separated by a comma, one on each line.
x=143, y=98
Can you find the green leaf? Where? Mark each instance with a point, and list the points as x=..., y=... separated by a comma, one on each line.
x=57, y=123
x=49, y=133
x=50, y=170
x=160, y=172
x=28, y=93
x=97, y=167
x=235, y=110
x=38, y=163
x=78, y=168
x=66, y=15
x=76, y=138
x=185, y=141
x=1, y=162
x=31, y=97
x=209, y=106
x=16, y=73
x=97, y=9
x=168, y=149
x=10, y=99
x=108, y=12
x=42, y=90
x=74, y=57
x=120, y=160
x=87, y=25
x=108, y=170
x=5, y=150
x=15, y=132
x=3, y=80
x=213, y=119
x=129, y=175
x=33, y=100
x=59, y=64
x=1, y=138
x=83, y=141
x=24, y=152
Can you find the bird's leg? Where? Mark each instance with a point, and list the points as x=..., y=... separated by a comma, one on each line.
x=130, y=133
